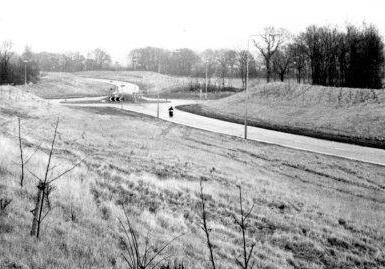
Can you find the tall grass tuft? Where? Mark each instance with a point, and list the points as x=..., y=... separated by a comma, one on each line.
x=136, y=256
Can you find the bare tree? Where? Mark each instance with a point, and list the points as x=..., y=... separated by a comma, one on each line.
x=232, y=57
x=281, y=62
x=223, y=65
x=226, y=61
x=204, y=226
x=244, y=263
x=99, y=58
x=242, y=62
x=209, y=58
x=268, y=43
x=5, y=58
x=245, y=58
x=299, y=54
x=45, y=187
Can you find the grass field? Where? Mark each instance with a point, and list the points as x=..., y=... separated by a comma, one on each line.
x=311, y=210
x=66, y=85
x=349, y=115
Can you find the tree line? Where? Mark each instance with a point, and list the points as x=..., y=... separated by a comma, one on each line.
x=17, y=69
x=97, y=59
x=321, y=55
x=220, y=63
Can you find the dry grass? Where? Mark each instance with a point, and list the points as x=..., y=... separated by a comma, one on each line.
x=311, y=210
x=66, y=85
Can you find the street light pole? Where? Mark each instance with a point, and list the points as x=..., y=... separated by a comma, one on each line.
x=25, y=72
x=157, y=107
x=246, y=85
x=206, y=80
x=247, y=82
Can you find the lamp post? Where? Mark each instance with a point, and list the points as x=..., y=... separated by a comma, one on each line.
x=247, y=83
x=246, y=86
x=200, y=92
x=25, y=71
x=206, y=79
x=157, y=107
x=157, y=103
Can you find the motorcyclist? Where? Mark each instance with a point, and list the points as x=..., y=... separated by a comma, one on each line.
x=171, y=111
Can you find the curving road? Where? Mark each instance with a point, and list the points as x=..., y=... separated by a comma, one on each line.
x=122, y=87
x=354, y=152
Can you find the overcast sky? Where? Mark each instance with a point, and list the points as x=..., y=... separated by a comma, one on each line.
x=121, y=25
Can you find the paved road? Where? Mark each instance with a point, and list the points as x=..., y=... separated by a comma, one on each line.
x=365, y=154
x=122, y=87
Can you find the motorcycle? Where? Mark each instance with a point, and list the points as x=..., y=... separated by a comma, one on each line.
x=170, y=112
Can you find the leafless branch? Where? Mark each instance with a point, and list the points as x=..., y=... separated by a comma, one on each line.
x=33, y=153
x=67, y=171
x=21, y=153
x=51, y=151
x=34, y=175
x=136, y=257
x=241, y=222
x=205, y=226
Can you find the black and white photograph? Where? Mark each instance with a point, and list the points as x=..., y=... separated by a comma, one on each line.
x=192, y=134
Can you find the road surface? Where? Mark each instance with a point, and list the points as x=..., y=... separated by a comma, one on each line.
x=122, y=87
x=354, y=152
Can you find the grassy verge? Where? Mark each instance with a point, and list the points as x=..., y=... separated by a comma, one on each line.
x=347, y=115
x=311, y=210
x=66, y=85
x=321, y=134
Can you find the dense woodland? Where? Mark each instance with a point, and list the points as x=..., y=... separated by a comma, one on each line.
x=329, y=56
x=353, y=58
